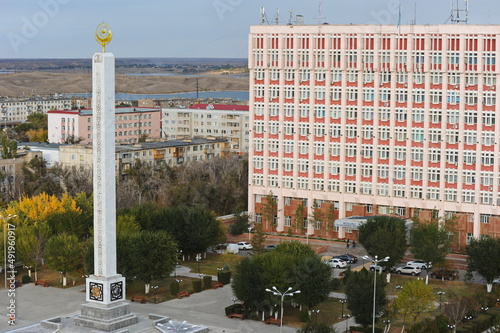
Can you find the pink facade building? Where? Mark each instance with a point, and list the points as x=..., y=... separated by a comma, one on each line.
x=131, y=124
x=362, y=120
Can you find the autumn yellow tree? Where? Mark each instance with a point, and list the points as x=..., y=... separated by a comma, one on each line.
x=37, y=209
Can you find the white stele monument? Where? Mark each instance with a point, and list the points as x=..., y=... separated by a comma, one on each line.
x=105, y=308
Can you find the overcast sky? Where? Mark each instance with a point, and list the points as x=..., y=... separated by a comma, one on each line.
x=190, y=28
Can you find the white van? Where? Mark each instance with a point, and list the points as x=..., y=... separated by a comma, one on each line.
x=232, y=248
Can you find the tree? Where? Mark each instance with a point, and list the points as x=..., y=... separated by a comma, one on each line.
x=194, y=228
x=359, y=293
x=291, y=264
x=152, y=255
x=430, y=242
x=300, y=218
x=38, y=178
x=258, y=239
x=456, y=309
x=316, y=216
x=312, y=277
x=414, y=298
x=241, y=224
x=484, y=257
x=9, y=147
x=269, y=210
x=384, y=236
x=30, y=245
x=64, y=253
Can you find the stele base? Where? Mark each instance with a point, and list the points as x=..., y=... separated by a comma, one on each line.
x=105, y=309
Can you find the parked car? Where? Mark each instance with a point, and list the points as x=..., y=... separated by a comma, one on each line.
x=419, y=264
x=496, y=281
x=244, y=246
x=270, y=247
x=445, y=273
x=336, y=263
x=378, y=268
x=408, y=270
x=374, y=267
x=347, y=257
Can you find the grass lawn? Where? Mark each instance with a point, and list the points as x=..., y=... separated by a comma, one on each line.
x=209, y=265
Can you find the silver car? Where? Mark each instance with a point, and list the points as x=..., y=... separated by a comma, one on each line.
x=408, y=270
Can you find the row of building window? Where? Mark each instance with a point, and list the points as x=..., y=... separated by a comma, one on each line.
x=470, y=79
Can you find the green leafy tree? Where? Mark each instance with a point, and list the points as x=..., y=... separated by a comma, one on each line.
x=38, y=178
x=30, y=244
x=64, y=253
x=269, y=210
x=194, y=228
x=414, y=299
x=9, y=147
x=316, y=216
x=248, y=282
x=258, y=239
x=300, y=218
x=291, y=264
x=430, y=242
x=152, y=255
x=331, y=216
x=484, y=257
x=384, y=236
x=311, y=276
x=359, y=293
x=239, y=226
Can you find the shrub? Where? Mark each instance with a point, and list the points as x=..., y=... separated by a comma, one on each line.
x=174, y=287
x=224, y=277
x=196, y=286
x=25, y=279
x=207, y=282
x=335, y=284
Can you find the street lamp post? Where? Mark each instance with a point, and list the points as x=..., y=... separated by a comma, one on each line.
x=276, y=292
x=198, y=258
x=376, y=261
x=5, y=219
x=155, y=290
x=249, y=232
x=440, y=293
x=342, y=301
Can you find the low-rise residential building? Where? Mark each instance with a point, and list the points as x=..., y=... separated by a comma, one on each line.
x=175, y=152
x=131, y=125
x=203, y=120
x=17, y=110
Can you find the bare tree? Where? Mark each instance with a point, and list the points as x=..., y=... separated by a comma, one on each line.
x=456, y=309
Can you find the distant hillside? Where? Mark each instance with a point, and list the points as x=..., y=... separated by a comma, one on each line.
x=43, y=64
x=46, y=83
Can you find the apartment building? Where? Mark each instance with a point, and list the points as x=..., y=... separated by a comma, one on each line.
x=131, y=125
x=362, y=120
x=15, y=111
x=174, y=152
x=205, y=120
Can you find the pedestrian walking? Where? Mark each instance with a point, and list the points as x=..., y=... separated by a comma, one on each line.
x=353, y=244
x=347, y=241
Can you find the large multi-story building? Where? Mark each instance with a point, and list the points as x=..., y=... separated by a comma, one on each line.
x=131, y=125
x=209, y=120
x=365, y=120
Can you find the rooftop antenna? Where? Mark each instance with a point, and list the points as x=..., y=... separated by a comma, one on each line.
x=277, y=16
x=263, y=17
x=320, y=12
x=457, y=15
x=292, y=19
x=414, y=21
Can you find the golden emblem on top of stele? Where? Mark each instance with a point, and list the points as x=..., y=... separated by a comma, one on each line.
x=103, y=35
